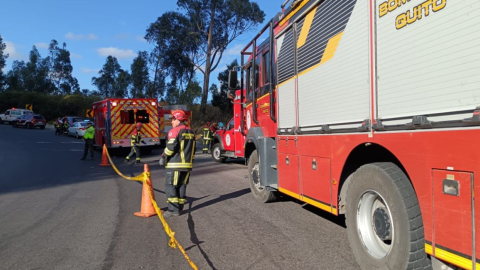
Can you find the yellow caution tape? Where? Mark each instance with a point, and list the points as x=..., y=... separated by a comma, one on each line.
x=173, y=243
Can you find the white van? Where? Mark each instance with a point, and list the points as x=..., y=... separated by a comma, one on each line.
x=12, y=114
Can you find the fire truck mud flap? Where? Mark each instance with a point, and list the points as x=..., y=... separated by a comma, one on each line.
x=267, y=153
x=384, y=222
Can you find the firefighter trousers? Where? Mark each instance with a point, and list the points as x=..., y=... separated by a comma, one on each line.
x=135, y=150
x=206, y=145
x=175, y=189
x=88, y=146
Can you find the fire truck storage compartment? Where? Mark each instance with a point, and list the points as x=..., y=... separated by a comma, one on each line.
x=315, y=181
x=330, y=81
x=430, y=65
x=453, y=214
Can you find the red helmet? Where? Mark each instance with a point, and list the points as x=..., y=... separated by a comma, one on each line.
x=138, y=125
x=179, y=114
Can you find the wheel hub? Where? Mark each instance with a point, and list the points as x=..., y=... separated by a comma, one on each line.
x=381, y=222
x=255, y=176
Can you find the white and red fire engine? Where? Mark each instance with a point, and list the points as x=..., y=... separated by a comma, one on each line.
x=115, y=120
x=229, y=142
x=371, y=109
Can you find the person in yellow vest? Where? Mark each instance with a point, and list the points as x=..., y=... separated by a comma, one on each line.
x=135, y=141
x=207, y=138
x=88, y=137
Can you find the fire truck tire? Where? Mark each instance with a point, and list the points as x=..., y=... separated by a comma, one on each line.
x=216, y=153
x=384, y=221
x=260, y=193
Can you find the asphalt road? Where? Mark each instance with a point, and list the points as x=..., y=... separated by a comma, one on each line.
x=57, y=212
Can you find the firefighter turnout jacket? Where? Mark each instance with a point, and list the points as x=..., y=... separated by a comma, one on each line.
x=207, y=134
x=136, y=137
x=180, y=149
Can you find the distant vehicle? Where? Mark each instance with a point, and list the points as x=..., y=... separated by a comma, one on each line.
x=30, y=121
x=78, y=129
x=12, y=114
x=74, y=119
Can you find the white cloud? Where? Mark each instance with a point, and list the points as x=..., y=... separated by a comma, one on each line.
x=140, y=38
x=122, y=36
x=12, y=52
x=75, y=55
x=73, y=36
x=118, y=53
x=42, y=45
x=235, y=50
x=90, y=70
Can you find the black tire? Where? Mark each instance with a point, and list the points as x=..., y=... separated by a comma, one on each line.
x=76, y=135
x=1, y=122
x=14, y=124
x=383, y=209
x=29, y=126
x=42, y=127
x=216, y=153
x=261, y=194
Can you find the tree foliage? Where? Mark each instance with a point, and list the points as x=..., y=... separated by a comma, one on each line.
x=220, y=96
x=61, y=68
x=140, y=76
x=3, y=59
x=207, y=28
x=113, y=80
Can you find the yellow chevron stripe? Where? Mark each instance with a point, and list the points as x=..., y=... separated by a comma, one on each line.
x=284, y=20
x=306, y=28
x=328, y=53
x=320, y=205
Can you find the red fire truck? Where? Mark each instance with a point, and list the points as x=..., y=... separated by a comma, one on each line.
x=229, y=142
x=372, y=109
x=115, y=120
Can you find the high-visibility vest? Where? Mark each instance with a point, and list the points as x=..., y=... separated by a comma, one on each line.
x=89, y=133
x=206, y=133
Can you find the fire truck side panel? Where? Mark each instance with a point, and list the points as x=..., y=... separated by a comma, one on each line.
x=430, y=61
x=315, y=182
x=333, y=61
x=287, y=82
x=453, y=201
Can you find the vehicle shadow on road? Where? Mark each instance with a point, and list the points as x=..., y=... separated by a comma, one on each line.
x=338, y=220
x=191, y=223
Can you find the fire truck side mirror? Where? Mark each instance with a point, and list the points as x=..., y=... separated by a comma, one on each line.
x=232, y=80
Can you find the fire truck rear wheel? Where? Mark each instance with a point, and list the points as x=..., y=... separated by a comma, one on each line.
x=260, y=193
x=384, y=222
x=217, y=154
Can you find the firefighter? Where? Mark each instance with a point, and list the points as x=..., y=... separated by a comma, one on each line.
x=207, y=138
x=65, y=125
x=57, y=125
x=178, y=159
x=136, y=138
x=88, y=137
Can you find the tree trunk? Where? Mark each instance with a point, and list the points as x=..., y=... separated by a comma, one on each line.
x=206, y=77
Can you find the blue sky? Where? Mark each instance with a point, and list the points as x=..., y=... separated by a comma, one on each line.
x=93, y=30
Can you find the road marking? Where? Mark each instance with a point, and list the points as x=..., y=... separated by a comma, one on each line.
x=44, y=142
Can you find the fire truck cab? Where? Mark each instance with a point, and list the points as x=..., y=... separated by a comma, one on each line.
x=229, y=142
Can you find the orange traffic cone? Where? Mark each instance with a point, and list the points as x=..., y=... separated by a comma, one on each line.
x=146, y=209
x=104, y=157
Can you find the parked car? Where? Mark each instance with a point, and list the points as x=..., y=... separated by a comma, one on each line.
x=74, y=119
x=11, y=115
x=30, y=121
x=77, y=129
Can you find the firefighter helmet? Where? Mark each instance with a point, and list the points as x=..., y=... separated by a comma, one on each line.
x=179, y=115
x=138, y=125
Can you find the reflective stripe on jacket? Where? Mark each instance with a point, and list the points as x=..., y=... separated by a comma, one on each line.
x=206, y=133
x=89, y=133
x=136, y=138
x=180, y=149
